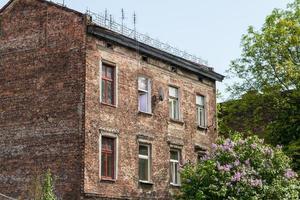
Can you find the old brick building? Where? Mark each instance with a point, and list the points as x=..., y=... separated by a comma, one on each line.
x=110, y=116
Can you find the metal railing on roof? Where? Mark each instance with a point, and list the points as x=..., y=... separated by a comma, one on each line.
x=108, y=23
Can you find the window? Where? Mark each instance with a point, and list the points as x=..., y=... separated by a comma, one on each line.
x=144, y=87
x=174, y=167
x=108, y=158
x=200, y=155
x=200, y=104
x=108, y=84
x=173, y=103
x=144, y=163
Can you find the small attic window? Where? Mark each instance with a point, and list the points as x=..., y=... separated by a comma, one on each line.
x=200, y=78
x=109, y=45
x=145, y=58
x=173, y=69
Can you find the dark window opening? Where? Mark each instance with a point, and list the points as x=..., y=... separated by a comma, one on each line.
x=145, y=58
x=108, y=84
x=109, y=45
x=108, y=158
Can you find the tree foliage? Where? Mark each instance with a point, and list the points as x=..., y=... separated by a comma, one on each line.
x=270, y=57
x=268, y=86
x=243, y=169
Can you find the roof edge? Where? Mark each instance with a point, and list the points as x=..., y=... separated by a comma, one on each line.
x=104, y=33
x=49, y=3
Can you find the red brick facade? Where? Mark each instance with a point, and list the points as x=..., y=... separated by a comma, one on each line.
x=51, y=115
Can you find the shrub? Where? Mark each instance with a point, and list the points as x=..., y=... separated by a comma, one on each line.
x=238, y=168
x=48, y=193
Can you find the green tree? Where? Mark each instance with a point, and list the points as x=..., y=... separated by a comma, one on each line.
x=268, y=82
x=48, y=193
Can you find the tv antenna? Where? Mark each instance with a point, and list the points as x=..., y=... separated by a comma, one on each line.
x=123, y=18
x=134, y=24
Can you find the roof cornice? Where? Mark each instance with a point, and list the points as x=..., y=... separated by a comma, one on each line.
x=106, y=34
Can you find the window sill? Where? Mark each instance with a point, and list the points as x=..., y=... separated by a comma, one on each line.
x=108, y=180
x=146, y=182
x=175, y=185
x=107, y=104
x=145, y=113
x=177, y=121
x=202, y=128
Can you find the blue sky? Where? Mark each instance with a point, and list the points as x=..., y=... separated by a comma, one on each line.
x=211, y=29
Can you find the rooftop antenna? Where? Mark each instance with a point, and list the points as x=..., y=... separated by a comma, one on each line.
x=105, y=17
x=123, y=18
x=63, y=2
x=110, y=21
x=134, y=24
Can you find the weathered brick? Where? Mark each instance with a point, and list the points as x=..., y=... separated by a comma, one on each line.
x=51, y=116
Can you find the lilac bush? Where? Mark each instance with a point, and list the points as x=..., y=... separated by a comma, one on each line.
x=238, y=168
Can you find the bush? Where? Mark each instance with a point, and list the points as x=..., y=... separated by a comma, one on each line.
x=48, y=193
x=239, y=168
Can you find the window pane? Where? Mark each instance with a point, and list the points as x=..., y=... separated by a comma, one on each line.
x=172, y=172
x=200, y=100
x=103, y=70
x=201, y=116
x=176, y=109
x=143, y=101
x=143, y=150
x=174, y=155
x=103, y=166
x=107, y=157
x=109, y=92
x=176, y=173
x=143, y=83
x=173, y=92
x=143, y=169
x=110, y=165
x=109, y=72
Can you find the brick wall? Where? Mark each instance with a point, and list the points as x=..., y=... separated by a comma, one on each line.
x=41, y=97
x=131, y=125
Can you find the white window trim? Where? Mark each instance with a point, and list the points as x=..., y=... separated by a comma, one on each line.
x=178, y=99
x=149, y=82
x=113, y=136
x=205, y=112
x=174, y=162
x=116, y=81
x=149, y=162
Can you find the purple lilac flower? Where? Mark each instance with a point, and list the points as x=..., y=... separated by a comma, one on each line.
x=214, y=146
x=241, y=142
x=227, y=167
x=247, y=162
x=256, y=182
x=237, y=177
x=279, y=146
x=268, y=151
x=253, y=146
x=290, y=174
x=237, y=163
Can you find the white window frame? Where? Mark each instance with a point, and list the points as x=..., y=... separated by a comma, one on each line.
x=116, y=80
x=198, y=107
x=148, y=92
x=173, y=163
x=114, y=136
x=172, y=99
x=149, y=162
